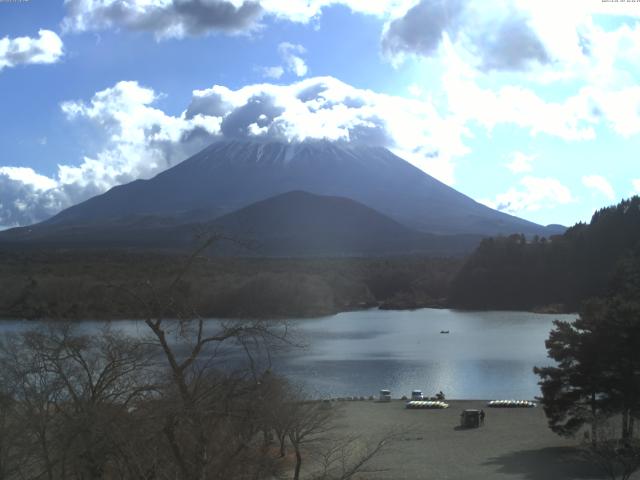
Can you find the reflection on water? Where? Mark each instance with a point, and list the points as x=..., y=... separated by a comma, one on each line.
x=485, y=355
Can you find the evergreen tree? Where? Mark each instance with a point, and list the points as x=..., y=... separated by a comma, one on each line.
x=597, y=371
x=513, y=273
x=573, y=390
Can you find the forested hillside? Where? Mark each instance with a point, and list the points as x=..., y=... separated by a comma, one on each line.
x=99, y=284
x=559, y=273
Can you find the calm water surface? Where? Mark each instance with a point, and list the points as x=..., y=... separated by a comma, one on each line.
x=486, y=355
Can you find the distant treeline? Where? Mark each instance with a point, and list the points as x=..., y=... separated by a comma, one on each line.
x=95, y=284
x=516, y=273
x=513, y=272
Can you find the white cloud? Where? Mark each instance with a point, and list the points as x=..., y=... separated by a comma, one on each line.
x=550, y=41
x=142, y=140
x=496, y=34
x=636, y=185
x=324, y=107
x=179, y=18
x=47, y=48
x=163, y=18
x=305, y=10
x=26, y=197
x=520, y=162
x=292, y=60
x=619, y=108
x=273, y=72
x=614, y=103
x=29, y=177
x=628, y=9
x=600, y=184
x=415, y=90
x=532, y=193
x=501, y=60
x=570, y=119
x=290, y=54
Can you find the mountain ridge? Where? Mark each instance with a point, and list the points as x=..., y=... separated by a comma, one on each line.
x=295, y=223
x=231, y=174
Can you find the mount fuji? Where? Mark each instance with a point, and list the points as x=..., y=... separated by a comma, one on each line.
x=231, y=175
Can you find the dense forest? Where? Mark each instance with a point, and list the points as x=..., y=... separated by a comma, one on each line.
x=513, y=272
x=98, y=284
x=553, y=274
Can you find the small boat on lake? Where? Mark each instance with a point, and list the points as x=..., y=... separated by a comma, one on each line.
x=444, y=331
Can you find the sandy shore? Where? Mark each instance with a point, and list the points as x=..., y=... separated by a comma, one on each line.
x=513, y=444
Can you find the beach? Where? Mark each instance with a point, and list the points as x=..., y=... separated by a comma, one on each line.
x=513, y=443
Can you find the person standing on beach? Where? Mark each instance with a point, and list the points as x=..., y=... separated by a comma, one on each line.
x=482, y=417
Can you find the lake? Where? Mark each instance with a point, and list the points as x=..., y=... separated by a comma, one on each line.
x=485, y=355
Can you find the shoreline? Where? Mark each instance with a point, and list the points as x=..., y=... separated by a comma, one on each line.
x=313, y=316
x=513, y=444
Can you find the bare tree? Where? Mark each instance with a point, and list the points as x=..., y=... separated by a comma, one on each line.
x=210, y=410
x=11, y=437
x=312, y=427
x=311, y=422
x=616, y=457
x=189, y=400
x=347, y=456
x=71, y=393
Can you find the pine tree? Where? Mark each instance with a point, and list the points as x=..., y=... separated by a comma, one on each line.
x=597, y=371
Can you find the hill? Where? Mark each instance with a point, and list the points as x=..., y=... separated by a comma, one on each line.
x=299, y=223
x=291, y=224
x=515, y=273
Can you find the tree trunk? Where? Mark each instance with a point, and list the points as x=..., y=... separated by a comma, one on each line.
x=296, y=474
x=594, y=421
x=202, y=457
x=283, y=438
x=625, y=424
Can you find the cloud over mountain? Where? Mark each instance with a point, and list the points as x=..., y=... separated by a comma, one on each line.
x=23, y=201
x=476, y=49
x=142, y=140
x=324, y=107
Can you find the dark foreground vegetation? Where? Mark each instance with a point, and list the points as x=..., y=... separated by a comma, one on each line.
x=594, y=387
x=183, y=401
x=527, y=274
x=86, y=284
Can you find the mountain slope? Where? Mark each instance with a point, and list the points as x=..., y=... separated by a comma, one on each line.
x=232, y=174
x=291, y=224
x=300, y=223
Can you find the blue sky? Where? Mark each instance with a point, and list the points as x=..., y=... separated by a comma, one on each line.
x=530, y=107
